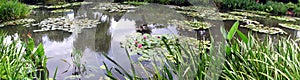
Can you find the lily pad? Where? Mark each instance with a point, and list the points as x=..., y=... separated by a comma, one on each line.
x=187, y=13
x=65, y=24
x=114, y=7
x=254, y=12
x=17, y=22
x=149, y=46
x=34, y=6
x=62, y=10
x=264, y=29
x=67, y=5
x=285, y=18
x=290, y=26
x=246, y=14
x=191, y=24
x=231, y=17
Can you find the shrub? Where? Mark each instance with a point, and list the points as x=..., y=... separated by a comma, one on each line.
x=12, y=9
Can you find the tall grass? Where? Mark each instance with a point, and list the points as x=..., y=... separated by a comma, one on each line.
x=245, y=58
x=20, y=60
x=13, y=9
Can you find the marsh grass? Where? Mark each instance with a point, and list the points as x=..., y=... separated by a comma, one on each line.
x=246, y=57
x=20, y=60
x=13, y=9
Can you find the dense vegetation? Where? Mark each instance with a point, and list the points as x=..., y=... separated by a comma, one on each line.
x=248, y=58
x=12, y=9
x=20, y=60
x=277, y=8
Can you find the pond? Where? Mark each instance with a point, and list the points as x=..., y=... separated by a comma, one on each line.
x=114, y=27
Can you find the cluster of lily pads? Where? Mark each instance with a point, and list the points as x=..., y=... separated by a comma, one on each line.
x=67, y=5
x=263, y=29
x=285, y=18
x=149, y=46
x=62, y=10
x=17, y=22
x=191, y=24
x=198, y=11
x=65, y=24
x=246, y=14
x=226, y=16
x=114, y=7
x=34, y=6
x=290, y=26
x=254, y=12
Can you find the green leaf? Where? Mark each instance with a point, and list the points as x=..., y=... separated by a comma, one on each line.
x=242, y=35
x=40, y=50
x=233, y=29
x=228, y=50
x=30, y=45
x=54, y=77
x=224, y=32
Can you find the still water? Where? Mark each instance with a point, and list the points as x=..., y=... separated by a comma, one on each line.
x=106, y=37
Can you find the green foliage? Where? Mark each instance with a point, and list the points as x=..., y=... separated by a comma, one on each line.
x=12, y=9
x=21, y=60
x=233, y=30
x=250, y=58
x=277, y=8
x=234, y=4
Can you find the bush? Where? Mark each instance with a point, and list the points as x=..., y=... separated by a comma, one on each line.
x=12, y=9
x=277, y=8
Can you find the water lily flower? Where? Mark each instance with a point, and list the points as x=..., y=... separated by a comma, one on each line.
x=140, y=45
x=135, y=42
x=145, y=37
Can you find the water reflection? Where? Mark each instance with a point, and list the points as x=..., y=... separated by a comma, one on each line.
x=61, y=47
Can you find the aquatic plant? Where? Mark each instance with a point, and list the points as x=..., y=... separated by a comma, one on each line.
x=252, y=11
x=290, y=26
x=285, y=18
x=34, y=6
x=191, y=24
x=135, y=3
x=12, y=9
x=147, y=45
x=20, y=60
x=231, y=17
x=245, y=58
x=62, y=10
x=252, y=58
x=187, y=13
x=65, y=24
x=264, y=29
x=114, y=7
x=246, y=14
x=17, y=22
x=67, y=5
